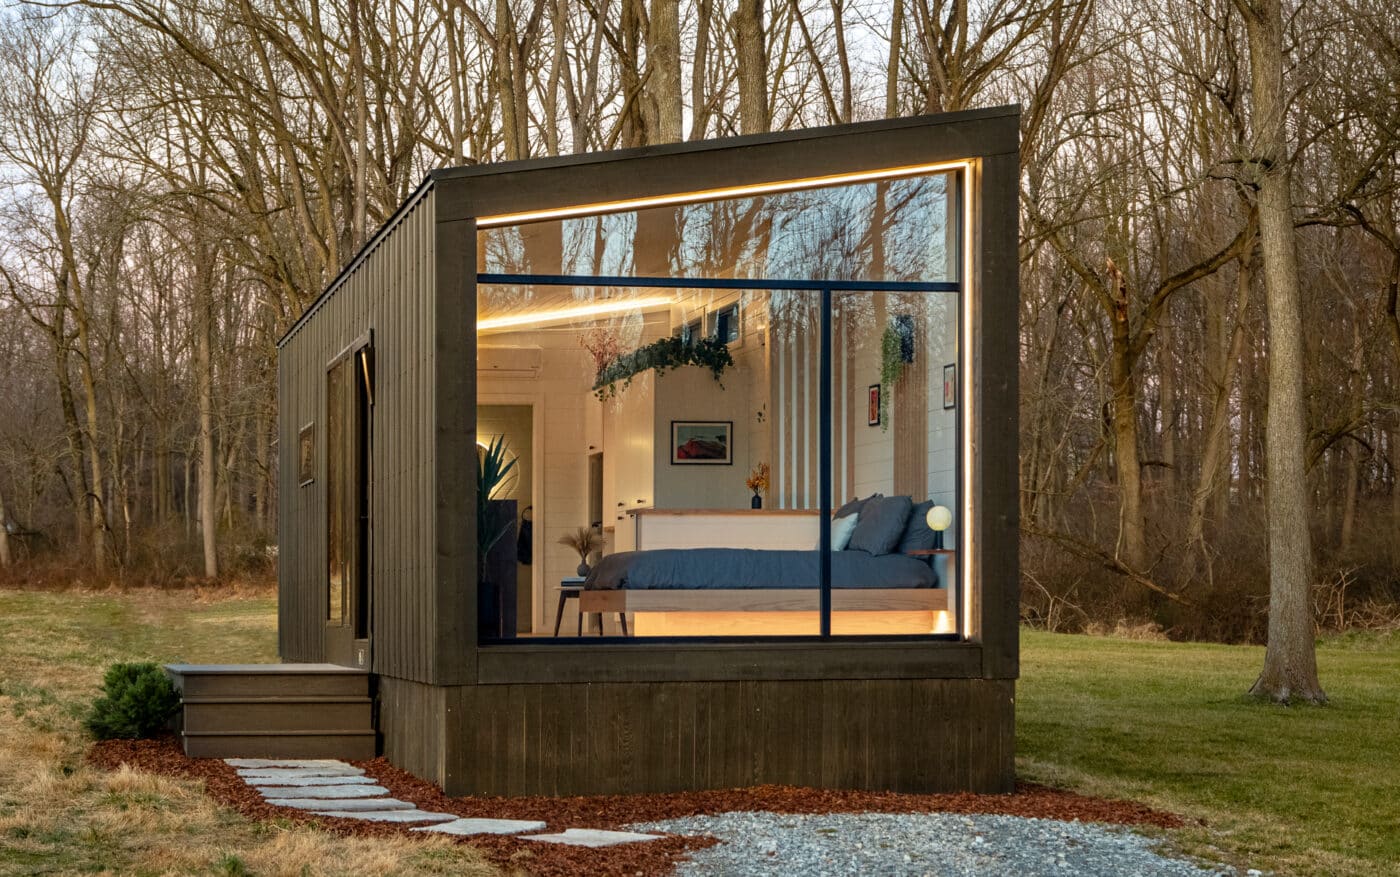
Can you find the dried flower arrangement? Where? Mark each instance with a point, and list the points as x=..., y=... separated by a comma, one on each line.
x=758, y=479
x=584, y=540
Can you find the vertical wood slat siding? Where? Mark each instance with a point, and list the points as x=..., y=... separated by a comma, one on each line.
x=922, y=735
x=391, y=291
x=994, y=359
x=411, y=722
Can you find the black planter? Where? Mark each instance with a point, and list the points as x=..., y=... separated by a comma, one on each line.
x=756, y=502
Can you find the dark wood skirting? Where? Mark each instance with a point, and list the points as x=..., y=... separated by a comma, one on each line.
x=914, y=735
x=412, y=720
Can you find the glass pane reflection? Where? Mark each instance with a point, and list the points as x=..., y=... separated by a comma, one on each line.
x=893, y=230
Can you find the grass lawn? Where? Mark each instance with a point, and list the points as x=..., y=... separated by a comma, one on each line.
x=1306, y=791
x=1303, y=790
x=59, y=817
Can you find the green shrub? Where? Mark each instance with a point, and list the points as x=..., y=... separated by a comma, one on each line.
x=137, y=701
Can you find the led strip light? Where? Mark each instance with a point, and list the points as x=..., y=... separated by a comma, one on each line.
x=718, y=194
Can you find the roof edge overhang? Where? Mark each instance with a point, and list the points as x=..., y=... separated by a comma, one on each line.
x=361, y=254
x=721, y=143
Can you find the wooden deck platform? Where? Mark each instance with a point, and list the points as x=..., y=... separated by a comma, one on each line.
x=274, y=711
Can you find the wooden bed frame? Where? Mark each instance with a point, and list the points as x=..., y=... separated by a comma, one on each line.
x=774, y=612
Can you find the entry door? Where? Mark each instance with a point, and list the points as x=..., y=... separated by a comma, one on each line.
x=349, y=400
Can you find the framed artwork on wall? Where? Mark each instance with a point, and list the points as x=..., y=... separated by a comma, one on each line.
x=702, y=442
x=950, y=385
x=306, y=454
x=872, y=414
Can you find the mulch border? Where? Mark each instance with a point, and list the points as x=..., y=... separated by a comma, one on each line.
x=222, y=783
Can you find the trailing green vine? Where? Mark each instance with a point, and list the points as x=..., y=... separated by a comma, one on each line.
x=662, y=356
x=891, y=367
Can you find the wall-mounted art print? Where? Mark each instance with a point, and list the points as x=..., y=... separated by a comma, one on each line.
x=872, y=414
x=702, y=442
x=950, y=385
x=306, y=454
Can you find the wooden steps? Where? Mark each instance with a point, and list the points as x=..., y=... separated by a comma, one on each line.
x=275, y=711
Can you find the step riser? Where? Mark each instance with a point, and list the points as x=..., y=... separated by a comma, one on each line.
x=350, y=748
x=279, y=685
x=232, y=718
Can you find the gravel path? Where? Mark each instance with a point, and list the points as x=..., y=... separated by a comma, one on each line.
x=943, y=844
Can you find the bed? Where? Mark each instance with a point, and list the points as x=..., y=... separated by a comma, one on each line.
x=746, y=591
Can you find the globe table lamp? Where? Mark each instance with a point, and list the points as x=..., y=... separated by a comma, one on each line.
x=939, y=518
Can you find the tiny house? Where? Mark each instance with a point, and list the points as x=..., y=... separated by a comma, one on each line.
x=770, y=382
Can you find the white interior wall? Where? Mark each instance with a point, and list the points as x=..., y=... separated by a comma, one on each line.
x=873, y=446
x=942, y=423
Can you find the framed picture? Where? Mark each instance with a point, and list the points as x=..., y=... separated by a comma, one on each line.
x=702, y=442
x=950, y=385
x=306, y=454
x=872, y=414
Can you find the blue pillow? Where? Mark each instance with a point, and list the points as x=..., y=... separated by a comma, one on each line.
x=881, y=524
x=854, y=506
x=917, y=535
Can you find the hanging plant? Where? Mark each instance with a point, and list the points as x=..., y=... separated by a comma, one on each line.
x=892, y=363
x=662, y=356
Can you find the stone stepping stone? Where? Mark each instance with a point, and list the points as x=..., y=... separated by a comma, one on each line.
x=485, y=826
x=592, y=837
x=274, y=773
x=348, y=805
x=284, y=762
x=323, y=792
x=303, y=782
x=392, y=815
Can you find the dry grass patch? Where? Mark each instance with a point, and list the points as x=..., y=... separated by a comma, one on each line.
x=59, y=815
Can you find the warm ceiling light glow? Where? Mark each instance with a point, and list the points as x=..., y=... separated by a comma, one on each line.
x=717, y=194
x=967, y=535
x=559, y=315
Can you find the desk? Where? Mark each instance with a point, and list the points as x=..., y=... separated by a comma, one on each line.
x=569, y=589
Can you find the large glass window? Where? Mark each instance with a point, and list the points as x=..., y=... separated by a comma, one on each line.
x=892, y=230
x=712, y=386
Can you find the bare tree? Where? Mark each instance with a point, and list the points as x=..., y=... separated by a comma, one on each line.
x=1290, y=662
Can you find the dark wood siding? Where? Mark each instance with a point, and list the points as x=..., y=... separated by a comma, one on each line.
x=919, y=735
x=411, y=725
x=390, y=291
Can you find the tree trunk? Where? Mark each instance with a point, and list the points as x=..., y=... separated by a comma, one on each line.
x=1351, y=472
x=747, y=24
x=1290, y=661
x=1132, y=524
x=204, y=367
x=1215, y=474
x=664, y=57
x=5, y=558
x=1167, y=413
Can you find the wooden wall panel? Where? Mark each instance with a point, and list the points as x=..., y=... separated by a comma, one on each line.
x=412, y=719
x=389, y=290
x=921, y=735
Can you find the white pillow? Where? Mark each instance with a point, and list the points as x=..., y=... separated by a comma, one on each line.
x=841, y=530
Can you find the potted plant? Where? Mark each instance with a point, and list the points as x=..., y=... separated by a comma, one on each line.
x=584, y=540
x=493, y=464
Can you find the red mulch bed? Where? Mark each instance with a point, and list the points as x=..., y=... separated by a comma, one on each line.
x=163, y=756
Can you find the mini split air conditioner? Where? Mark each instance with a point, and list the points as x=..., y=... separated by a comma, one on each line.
x=509, y=363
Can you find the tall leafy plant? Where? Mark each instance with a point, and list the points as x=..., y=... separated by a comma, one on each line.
x=494, y=463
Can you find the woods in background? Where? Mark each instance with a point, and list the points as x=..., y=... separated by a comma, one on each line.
x=180, y=179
